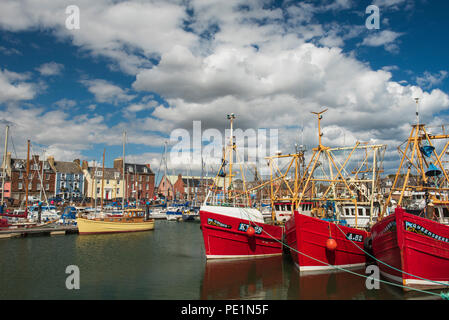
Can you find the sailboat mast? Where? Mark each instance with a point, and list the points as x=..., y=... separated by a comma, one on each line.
x=42, y=179
x=4, y=163
x=94, y=185
x=123, y=169
x=26, y=177
x=102, y=181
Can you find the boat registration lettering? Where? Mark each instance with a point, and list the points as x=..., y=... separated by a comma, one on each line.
x=418, y=229
x=217, y=223
x=354, y=237
x=244, y=227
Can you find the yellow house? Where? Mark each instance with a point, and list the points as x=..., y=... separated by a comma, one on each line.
x=109, y=188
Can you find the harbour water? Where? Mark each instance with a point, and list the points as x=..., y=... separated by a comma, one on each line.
x=167, y=263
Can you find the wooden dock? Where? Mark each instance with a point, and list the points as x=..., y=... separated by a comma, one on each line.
x=46, y=230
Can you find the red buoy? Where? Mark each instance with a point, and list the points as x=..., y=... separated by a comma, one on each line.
x=331, y=244
x=250, y=231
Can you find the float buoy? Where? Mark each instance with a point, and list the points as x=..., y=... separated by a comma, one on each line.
x=331, y=244
x=250, y=231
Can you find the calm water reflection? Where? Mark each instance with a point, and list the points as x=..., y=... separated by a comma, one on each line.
x=167, y=263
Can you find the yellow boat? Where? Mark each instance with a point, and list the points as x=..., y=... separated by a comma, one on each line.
x=132, y=220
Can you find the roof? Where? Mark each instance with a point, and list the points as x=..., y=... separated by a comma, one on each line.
x=109, y=173
x=195, y=181
x=67, y=167
x=137, y=168
x=21, y=164
x=170, y=178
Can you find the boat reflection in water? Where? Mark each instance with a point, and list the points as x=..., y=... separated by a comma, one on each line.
x=333, y=285
x=341, y=285
x=258, y=278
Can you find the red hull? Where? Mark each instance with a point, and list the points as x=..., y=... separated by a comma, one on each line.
x=225, y=240
x=308, y=235
x=416, y=245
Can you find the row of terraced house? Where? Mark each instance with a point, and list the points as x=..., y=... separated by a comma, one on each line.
x=74, y=180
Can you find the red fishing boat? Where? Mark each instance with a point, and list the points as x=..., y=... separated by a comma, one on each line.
x=320, y=239
x=416, y=245
x=234, y=232
x=231, y=227
x=322, y=244
x=414, y=239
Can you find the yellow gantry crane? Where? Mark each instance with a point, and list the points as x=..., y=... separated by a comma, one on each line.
x=337, y=184
x=422, y=164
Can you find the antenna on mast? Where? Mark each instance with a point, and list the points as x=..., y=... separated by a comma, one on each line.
x=320, y=134
x=417, y=111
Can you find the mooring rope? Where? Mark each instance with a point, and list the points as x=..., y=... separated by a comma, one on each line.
x=442, y=295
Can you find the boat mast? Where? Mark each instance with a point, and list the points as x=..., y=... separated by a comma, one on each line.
x=123, y=169
x=94, y=186
x=42, y=179
x=102, y=181
x=417, y=111
x=231, y=118
x=136, y=189
x=26, y=177
x=4, y=163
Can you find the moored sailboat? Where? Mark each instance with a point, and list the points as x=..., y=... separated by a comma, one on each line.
x=130, y=220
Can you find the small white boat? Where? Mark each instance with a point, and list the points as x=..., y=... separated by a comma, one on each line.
x=159, y=213
x=174, y=213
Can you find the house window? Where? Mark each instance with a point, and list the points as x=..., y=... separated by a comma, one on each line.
x=148, y=178
x=47, y=176
x=30, y=186
x=130, y=169
x=20, y=186
x=98, y=190
x=20, y=175
x=38, y=186
x=47, y=187
x=118, y=190
x=145, y=170
x=98, y=173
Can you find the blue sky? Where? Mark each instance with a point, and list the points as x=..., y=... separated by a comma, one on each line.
x=151, y=67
